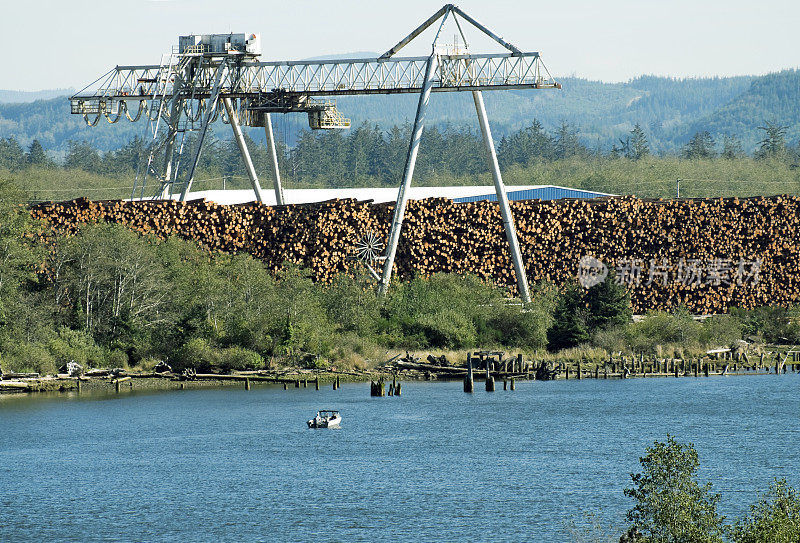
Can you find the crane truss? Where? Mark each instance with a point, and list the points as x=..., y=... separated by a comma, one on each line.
x=185, y=91
x=324, y=78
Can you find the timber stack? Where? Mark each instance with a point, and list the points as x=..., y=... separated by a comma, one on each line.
x=631, y=235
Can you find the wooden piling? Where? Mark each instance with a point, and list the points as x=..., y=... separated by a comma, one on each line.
x=489, y=383
x=305, y=383
x=505, y=384
x=377, y=388
x=579, y=370
x=247, y=384
x=397, y=389
x=78, y=384
x=513, y=384
x=469, y=384
x=316, y=383
x=286, y=387
x=297, y=383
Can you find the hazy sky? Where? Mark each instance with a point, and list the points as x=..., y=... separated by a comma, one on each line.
x=51, y=44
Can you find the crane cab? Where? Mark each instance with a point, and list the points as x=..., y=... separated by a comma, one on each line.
x=220, y=44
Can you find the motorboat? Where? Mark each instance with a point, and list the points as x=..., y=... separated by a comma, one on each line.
x=328, y=418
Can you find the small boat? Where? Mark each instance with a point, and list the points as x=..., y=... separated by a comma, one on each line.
x=328, y=418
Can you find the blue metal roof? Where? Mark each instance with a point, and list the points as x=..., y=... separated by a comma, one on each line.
x=549, y=192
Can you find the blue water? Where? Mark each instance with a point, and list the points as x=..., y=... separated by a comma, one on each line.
x=433, y=465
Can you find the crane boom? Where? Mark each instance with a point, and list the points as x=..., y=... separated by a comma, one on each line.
x=267, y=85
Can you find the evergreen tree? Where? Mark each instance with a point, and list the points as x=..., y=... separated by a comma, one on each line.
x=570, y=319
x=700, y=146
x=774, y=143
x=639, y=147
x=608, y=304
x=82, y=156
x=732, y=147
x=526, y=146
x=567, y=143
x=36, y=155
x=12, y=157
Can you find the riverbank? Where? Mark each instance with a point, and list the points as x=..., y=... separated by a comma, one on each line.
x=122, y=381
x=488, y=366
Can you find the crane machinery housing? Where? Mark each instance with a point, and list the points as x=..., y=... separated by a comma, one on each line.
x=183, y=93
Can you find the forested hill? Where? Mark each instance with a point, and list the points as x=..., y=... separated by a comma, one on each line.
x=773, y=97
x=670, y=110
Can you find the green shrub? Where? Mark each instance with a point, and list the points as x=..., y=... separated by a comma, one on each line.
x=772, y=324
x=774, y=518
x=447, y=329
x=75, y=345
x=117, y=359
x=196, y=353
x=721, y=330
x=239, y=358
x=669, y=503
x=662, y=329
x=29, y=357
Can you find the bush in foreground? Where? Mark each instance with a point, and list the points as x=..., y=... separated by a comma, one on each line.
x=670, y=504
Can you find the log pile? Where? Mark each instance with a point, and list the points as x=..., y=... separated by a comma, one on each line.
x=744, y=251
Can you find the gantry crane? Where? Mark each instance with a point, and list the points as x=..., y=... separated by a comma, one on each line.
x=182, y=94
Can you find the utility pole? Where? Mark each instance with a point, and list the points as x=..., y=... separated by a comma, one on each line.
x=677, y=188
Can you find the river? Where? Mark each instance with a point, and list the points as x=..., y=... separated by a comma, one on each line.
x=432, y=465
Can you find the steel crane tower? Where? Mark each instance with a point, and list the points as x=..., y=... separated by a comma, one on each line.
x=183, y=94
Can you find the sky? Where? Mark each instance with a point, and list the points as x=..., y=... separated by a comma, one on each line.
x=57, y=44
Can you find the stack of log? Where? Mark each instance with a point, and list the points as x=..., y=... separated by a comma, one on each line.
x=442, y=236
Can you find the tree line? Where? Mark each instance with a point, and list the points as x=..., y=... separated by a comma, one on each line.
x=367, y=155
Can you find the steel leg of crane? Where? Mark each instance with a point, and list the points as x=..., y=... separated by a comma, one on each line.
x=502, y=198
x=168, y=161
x=273, y=153
x=248, y=162
x=212, y=107
x=402, y=194
x=175, y=111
